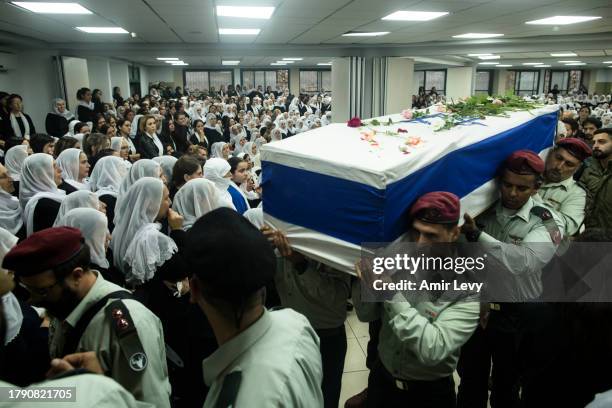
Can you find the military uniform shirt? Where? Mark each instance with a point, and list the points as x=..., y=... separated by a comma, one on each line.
x=568, y=200
x=92, y=390
x=522, y=243
x=319, y=292
x=150, y=385
x=277, y=360
x=598, y=182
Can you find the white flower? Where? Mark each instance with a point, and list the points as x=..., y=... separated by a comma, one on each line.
x=437, y=123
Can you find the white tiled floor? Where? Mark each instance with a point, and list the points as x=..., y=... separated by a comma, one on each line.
x=355, y=377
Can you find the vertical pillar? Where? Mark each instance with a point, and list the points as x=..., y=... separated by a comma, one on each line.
x=341, y=89
x=294, y=81
x=398, y=84
x=100, y=77
x=459, y=82
x=120, y=77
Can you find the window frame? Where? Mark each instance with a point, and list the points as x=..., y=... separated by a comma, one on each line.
x=517, y=81
x=208, y=71
x=490, y=86
x=264, y=70
x=425, y=71
x=569, y=79
x=319, y=72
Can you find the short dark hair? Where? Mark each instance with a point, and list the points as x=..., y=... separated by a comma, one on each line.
x=186, y=165
x=12, y=142
x=585, y=107
x=607, y=131
x=81, y=93
x=11, y=97
x=572, y=123
x=93, y=140
x=79, y=126
x=64, y=143
x=81, y=260
x=593, y=121
x=234, y=162
x=39, y=140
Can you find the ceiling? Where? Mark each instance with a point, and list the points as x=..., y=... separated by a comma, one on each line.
x=162, y=26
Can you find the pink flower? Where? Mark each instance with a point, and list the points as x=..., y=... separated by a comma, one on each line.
x=407, y=114
x=355, y=122
x=497, y=102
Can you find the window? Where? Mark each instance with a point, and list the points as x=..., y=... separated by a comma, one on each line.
x=484, y=82
x=201, y=81
x=431, y=79
x=274, y=78
x=526, y=83
x=566, y=80
x=312, y=82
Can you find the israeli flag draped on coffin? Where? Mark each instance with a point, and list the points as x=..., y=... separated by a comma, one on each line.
x=335, y=187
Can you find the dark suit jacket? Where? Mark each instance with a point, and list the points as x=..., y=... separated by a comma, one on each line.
x=146, y=147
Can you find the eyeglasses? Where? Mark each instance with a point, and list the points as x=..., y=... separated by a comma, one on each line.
x=40, y=292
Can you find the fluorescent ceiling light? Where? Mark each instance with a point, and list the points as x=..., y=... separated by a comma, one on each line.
x=230, y=62
x=504, y=65
x=278, y=63
x=576, y=63
x=404, y=15
x=239, y=31
x=488, y=63
x=366, y=34
x=102, y=30
x=607, y=62
x=324, y=64
x=563, y=20
x=489, y=57
x=53, y=8
x=566, y=61
x=479, y=55
x=563, y=54
x=180, y=65
x=167, y=59
x=542, y=66
x=286, y=62
x=533, y=63
x=293, y=59
x=173, y=61
x=478, y=35
x=245, y=12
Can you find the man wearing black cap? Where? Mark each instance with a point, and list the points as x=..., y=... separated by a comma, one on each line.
x=420, y=337
x=265, y=358
x=559, y=190
x=88, y=313
x=522, y=236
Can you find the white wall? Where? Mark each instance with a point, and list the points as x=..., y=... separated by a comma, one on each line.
x=144, y=79
x=160, y=74
x=100, y=77
x=400, y=76
x=340, y=89
x=36, y=80
x=76, y=76
x=459, y=82
x=294, y=81
x=119, y=76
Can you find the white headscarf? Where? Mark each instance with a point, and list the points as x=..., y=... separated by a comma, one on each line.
x=69, y=162
x=107, y=176
x=217, y=149
x=139, y=248
x=196, y=198
x=10, y=212
x=37, y=176
x=116, y=144
x=142, y=168
x=12, y=310
x=94, y=228
x=167, y=165
x=255, y=216
x=13, y=160
x=71, y=126
x=67, y=114
x=215, y=170
x=78, y=199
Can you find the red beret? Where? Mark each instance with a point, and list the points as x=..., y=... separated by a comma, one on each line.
x=437, y=207
x=524, y=162
x=576, y=147
x=44, y=250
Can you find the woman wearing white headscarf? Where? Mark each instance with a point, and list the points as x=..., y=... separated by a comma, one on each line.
x=13, y=160
x=220, y=150
x=212, y=132
x=75, y=167
x=10, y=210
x=79, y=199
x=140, y=250
x=105, y=181
x=93, y=226
x=218, y=171
x=10, y=305
x=71, y=126
x=142, y=168
x=277, y=135
x=167, y=164
x=196, y=198
x=121, y=146
x=57, y=120
x=39, y=194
